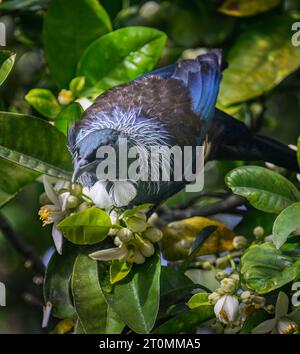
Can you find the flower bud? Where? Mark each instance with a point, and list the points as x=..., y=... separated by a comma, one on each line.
x=286, y=326
x=152, y=221
x=147, y=248
x=222, y=262
x=83, y=206
x=136, y=224
x=258, y=232
x=125, y=234
x=239, y=242
x=213, y=298
x=76, y=189
x=235, y=277
x=245, y=296
x=65, y=97
x=221, y=275
x=44, y=200
x=112, y=231
x=228, y=285
x=153, y=234
x=72, y=202
x=117, y=241
x=138, y=257
x=227, y=309
x=206, y=265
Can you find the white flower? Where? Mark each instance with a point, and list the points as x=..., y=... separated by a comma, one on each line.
x=228, y=285
x=227, y=309
x=85, y=103
x=65, y=97
x=55, y=212
x=98, y=195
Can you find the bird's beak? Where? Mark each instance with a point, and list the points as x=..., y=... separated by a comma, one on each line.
x=79, y=169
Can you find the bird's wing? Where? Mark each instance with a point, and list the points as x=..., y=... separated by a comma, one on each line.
x=201, y=76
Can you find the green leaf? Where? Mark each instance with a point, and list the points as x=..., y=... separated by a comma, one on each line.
x=260, y=59
x=187, y=321
x=286, y=222
x=264, y=268
x=197, y=300
x=135, y=299
x=247, y=7
x=88, y=299
x=44, y=102
x=70, y=26
x=13, y=177
x=131, y=212
x=57, y=284
x=121, y=56
x=77, y=85
x=118, y=270
x=265, y=190
x=39, y=146
x=253, y=320
x=68, y=116
x=174, y=287
x=86, y=227
x=7, y=60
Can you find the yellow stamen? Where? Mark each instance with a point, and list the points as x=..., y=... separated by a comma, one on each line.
x=45, y=215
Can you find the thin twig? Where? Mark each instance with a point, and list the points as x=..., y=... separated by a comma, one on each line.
x=22, y=247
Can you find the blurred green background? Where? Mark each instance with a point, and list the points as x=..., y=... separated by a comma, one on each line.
x=250, y=34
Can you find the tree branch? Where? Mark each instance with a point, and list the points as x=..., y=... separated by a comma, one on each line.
x=227, y=205
x=21, y=246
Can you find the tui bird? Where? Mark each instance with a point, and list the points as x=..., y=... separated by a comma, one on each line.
x=173, y=105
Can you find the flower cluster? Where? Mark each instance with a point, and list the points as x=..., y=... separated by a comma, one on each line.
x=232, y=304
x=134, y=237
x=60, y=200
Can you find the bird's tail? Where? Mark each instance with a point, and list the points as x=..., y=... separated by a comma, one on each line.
x=236, y=142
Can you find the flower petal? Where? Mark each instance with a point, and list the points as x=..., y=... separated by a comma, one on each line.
x=50, y=190
x=122, y=193
x=282, y=305
x=109, y=254
x=99, y=195
x=57, y=238
x=265, y=327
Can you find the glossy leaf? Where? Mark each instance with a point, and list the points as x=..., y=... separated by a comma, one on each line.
x=197, y=300
x=265, y=190
x=57, y=284
x=68, y=116
x=286, y=222
x=264, y=268
x=118, y=270
x=179, y=237
x=174, y=286
x=70, y=26
x=13, y=177
x=39, y=146
x=135, y=299
x=187, y=321
x=247, y=7
x=121, y=56
x=86, y=227
x=260, y=59
x=7, y=60
x=89, y=301
x=44, y=102
x=77, y=85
